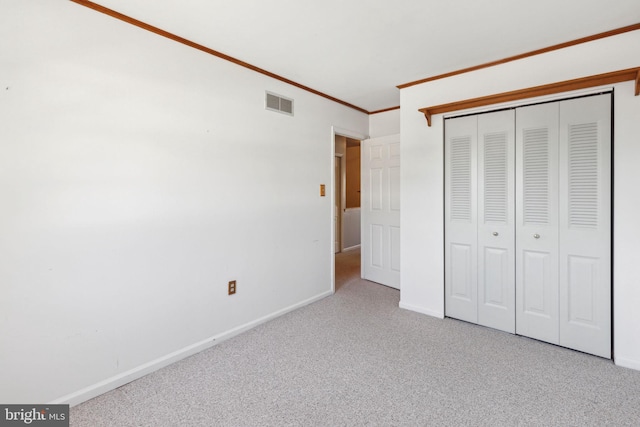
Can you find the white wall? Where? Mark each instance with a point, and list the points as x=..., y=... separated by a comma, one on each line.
x=137, y=177
x=384, y=124
x=351, y=231
x=422, y=174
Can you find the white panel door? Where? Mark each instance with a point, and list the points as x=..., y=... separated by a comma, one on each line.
x=585, y=224
x=496, y=222
x=460, y=208
x=380, y=193
x=537, y=222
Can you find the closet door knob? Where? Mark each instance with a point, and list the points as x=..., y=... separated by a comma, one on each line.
x=536, y=236
x=495, y=233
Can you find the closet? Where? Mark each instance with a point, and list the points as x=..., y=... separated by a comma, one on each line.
x=528, y=221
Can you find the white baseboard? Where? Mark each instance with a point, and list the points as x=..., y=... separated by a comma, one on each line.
x=627, y=363
x=422, y=310
x=351, y=248
x=133, y=374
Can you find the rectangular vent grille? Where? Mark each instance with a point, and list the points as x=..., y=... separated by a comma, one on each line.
x=583, y=175
x=461, y=178
x=495, y=177
x=278, y=103
x=536, y=176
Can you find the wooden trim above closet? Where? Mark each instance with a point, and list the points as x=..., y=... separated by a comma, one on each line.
x=163, y=33
x=550, y=89
x=598, y=36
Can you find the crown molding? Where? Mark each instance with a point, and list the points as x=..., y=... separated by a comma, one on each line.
x=587, y=39
x=171, y=36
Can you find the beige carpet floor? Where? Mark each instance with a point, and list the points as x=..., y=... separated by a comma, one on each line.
x=356, y=359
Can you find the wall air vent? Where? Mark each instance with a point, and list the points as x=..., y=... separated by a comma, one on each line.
x=278, y=103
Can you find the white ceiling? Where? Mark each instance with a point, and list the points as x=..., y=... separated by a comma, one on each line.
x=360, y=50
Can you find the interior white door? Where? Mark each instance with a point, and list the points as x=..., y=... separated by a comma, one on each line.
x=461, y=228
x=585, y=224
x=380, y=190
x=496, y=221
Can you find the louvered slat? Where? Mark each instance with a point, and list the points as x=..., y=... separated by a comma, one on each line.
x=536, y=176
x=495, y=177
x=286, y=105
x=273, y=102
x=583, y=175
x=460, y=178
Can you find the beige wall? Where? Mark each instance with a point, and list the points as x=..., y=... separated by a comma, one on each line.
x=353, y=177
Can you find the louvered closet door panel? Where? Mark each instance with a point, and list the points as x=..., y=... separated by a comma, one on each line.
x=496, y=222
x=537, y=222
x=461, y=269
x=585, y=224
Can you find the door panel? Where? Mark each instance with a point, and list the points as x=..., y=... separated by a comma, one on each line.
x=536, y=222
x=461, y=232
x=496, y=269
x=585, y=224
x=381, y=210
x=461, y=273
x=537, y=278
x=395, y=248
x=394, y=193
x=581, y=291
x=377, y=251
x=496, y=228
x=375, y=188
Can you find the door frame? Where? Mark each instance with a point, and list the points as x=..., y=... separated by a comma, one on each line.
x=339, y=188
x=335, y=130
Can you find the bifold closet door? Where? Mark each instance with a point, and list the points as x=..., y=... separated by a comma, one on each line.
x=479, y=225
x=563, y=217
x=585, y=224
x=537, y=222
x=496, y=228
x=461, y=227
x=528, y=221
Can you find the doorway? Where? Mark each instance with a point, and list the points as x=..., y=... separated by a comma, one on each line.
x=346, y=205
x=337, y=203
x=347, y=194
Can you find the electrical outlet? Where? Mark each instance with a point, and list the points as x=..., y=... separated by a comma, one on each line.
x=232, y=287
